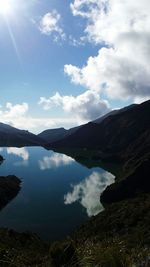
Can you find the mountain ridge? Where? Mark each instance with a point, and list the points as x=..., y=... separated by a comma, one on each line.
x=116, y=135
x=56, y=134
x=11, y=136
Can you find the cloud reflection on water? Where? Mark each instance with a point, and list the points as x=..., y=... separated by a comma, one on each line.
x=21, y=153
x=88, y=192
x=55, y=161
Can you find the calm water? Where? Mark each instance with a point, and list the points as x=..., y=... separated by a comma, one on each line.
x=57, y=193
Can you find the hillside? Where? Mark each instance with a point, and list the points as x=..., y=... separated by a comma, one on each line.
x=54, y=135
x=120, y=137
x=114, y=112
x=10, y=136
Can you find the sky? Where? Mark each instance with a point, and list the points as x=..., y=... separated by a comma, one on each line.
x=67, y=62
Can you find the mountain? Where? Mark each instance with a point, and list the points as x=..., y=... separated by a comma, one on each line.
x=53, y=135
x=10, y=136
x=122, y=136
x=114, y=112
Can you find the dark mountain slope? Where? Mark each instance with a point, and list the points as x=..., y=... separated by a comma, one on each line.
x=114, y=112
x=131, y=186
x=54, y=135
x=10, y=136
x=122, y=135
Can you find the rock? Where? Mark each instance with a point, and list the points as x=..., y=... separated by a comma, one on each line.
x=1, y=158
x=9, y=188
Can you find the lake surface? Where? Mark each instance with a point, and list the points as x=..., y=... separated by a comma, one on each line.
x=57, y=193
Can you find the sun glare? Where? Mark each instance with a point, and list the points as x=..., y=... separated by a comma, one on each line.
x=5, y=7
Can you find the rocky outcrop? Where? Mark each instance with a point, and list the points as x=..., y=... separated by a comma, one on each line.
x=9, y=188
x=1, y=159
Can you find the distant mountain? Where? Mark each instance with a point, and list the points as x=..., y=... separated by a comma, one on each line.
x=53, y=135
x=10, y=136
x=116, y=137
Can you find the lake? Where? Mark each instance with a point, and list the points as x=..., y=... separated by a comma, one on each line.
x=57, y=193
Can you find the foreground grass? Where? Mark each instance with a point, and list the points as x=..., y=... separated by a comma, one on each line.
x=89, y=254
x=118, y=237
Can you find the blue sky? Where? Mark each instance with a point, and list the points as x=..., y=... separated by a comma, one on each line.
x=74, y=48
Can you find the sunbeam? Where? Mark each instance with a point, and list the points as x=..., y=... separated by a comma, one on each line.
x=13, y=41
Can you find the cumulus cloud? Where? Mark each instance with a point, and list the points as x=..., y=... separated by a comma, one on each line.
x=14, y=114
x=85, y=107
x=18, y=116
x=87, y=192
x=13, y=111
x=114, y=73
x=50, y=24
x=122, y=65
x=87, y=76
x=120, y=70
x=107, y=19
x=55, y=161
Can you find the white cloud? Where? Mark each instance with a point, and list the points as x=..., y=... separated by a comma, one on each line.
x=14, y=114
x=89, y=76
x=76, y=42
x=18, y=116
x=124, y=74
x=14, y=111
x=122, y=66
x=120, y=70
x=55, y=161
x=139, y=100
x=84, y=107
x=50, y=24
x=107, y=19
x=87, y=192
